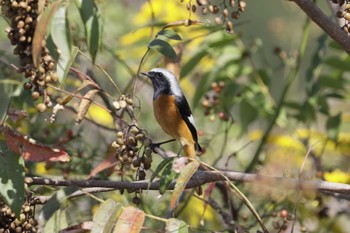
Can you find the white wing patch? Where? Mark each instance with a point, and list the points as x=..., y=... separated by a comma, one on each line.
x=191, y=119
x=174, y=83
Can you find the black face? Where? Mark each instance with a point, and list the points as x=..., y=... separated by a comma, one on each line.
x=160, y=83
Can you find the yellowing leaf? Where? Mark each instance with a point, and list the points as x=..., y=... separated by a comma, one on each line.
x=130, y=220
x=337, y=176
x=182, y=180
x=174, y=225
x=100, y=115
x=105, y=217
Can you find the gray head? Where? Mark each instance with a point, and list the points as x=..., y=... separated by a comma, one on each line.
x=164, y=82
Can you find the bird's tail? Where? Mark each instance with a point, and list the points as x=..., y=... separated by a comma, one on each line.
x=198, y=148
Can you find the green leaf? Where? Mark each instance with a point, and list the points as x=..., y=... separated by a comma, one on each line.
x=40, y=31
x=90, y=16
x=69, y=63
x=337, y=63
x=11, y=178
x=174, y=225
x=264, y=76
x=170, y=34
x=105, y=216
x=167, y=177
x=307, y=112
x=192, y=63
x=160, y=167
x=60, y=34
x=55, y=201
x=335, y=95
x=247, y=113
x=329, y=82
x=223, y=42
x=317, y=57
x=336, y=46
x=181, y=182
x=5, y=100
x=163, y=48
x=333, y=126
x=322, y=104
x=57, y=221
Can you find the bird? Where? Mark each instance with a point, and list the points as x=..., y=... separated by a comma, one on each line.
x=172, y=111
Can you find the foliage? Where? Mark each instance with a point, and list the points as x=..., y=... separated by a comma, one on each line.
x=279, y=113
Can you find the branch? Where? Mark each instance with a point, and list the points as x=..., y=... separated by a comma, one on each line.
x=203, y=177
x=331, y=28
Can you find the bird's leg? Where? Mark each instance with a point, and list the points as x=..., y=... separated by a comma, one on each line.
x=178, y=153
x=154, y=145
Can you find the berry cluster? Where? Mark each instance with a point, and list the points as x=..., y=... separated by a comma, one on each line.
x=23, y=15
x=211, y=101
x=224, y=13
x=128, y=144
x=10, y=224
x=345, y=14
x=123, y=102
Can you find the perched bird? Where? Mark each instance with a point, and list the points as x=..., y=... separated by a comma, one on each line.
x=172, y=111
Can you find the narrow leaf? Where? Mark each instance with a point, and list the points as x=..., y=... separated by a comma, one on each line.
x=55, y=201
x=333, y=126
x=170, y=34
x=57, y=222
x=105, y=217
x=92, y=22
x=130, y=220
x=163, y=48
x=60, y=34
x=338, y=63
x=41, y=29
x=167, y=177
x=160, y=167
x=84, y=105
x=192, y=63
x=247, y=113
x=182, y=180
x=174, y=225
x=11, y=178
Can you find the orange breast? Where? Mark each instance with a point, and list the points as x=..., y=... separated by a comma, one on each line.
x=169, y=118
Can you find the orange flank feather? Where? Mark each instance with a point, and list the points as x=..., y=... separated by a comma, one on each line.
x=170, y=120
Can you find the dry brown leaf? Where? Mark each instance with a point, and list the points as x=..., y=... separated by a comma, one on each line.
x=109, y=162
x=85, y=104
x=40, y=31
x=31, y=150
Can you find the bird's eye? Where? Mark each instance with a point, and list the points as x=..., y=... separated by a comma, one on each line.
x=160, y=75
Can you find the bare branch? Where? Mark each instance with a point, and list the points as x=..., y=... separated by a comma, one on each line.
x=331, y=28
x=203, y=177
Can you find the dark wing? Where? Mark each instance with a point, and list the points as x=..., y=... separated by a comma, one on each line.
x=186, y=114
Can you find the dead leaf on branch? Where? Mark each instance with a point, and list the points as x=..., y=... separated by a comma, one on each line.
x=32, y=150
x=108, y=163
x=85, y=104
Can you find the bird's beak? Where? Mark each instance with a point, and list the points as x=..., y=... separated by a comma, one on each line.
x=145, y=74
